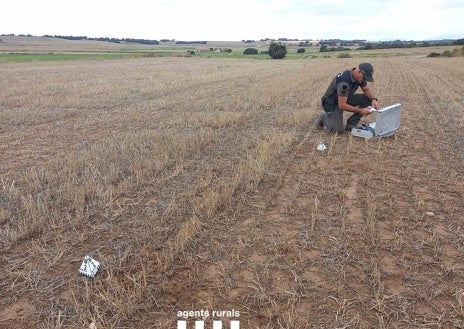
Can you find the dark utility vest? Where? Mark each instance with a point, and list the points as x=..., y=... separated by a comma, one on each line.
x=342, y=85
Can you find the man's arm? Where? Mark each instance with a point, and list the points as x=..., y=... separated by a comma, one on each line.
x=343, y=105
x=369, y=94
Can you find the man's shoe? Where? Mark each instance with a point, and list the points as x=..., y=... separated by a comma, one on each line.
x=348, y=127
x=318, y=123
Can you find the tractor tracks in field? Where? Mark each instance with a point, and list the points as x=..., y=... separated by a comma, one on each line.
x=258, y=255
x=286, y=242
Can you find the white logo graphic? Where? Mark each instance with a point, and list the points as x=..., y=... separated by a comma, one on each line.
x=200, y=324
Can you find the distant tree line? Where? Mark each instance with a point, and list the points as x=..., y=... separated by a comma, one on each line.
x=325, y=44
x=115, y=40
x=70, y=37
x=191, y=42
x=340, y=45
x=142, y=41
x=406, y=44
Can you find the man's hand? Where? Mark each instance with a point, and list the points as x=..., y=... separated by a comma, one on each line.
x=375, y=104
x=365, y=111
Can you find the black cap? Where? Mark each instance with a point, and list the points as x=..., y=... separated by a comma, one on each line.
x=367, y=70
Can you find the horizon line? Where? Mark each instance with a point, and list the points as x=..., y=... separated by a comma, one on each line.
x=203, y=40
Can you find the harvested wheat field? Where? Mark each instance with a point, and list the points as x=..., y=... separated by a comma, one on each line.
x=197, y=185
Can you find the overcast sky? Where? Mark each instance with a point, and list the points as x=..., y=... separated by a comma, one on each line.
x=210, y=20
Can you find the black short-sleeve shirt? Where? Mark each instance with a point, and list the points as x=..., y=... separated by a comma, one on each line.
x=343, y=84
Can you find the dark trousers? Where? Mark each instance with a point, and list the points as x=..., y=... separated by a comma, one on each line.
x=333, y=116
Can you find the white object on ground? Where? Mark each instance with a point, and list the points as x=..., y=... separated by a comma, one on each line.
x=321, y=146
x=89, y=266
